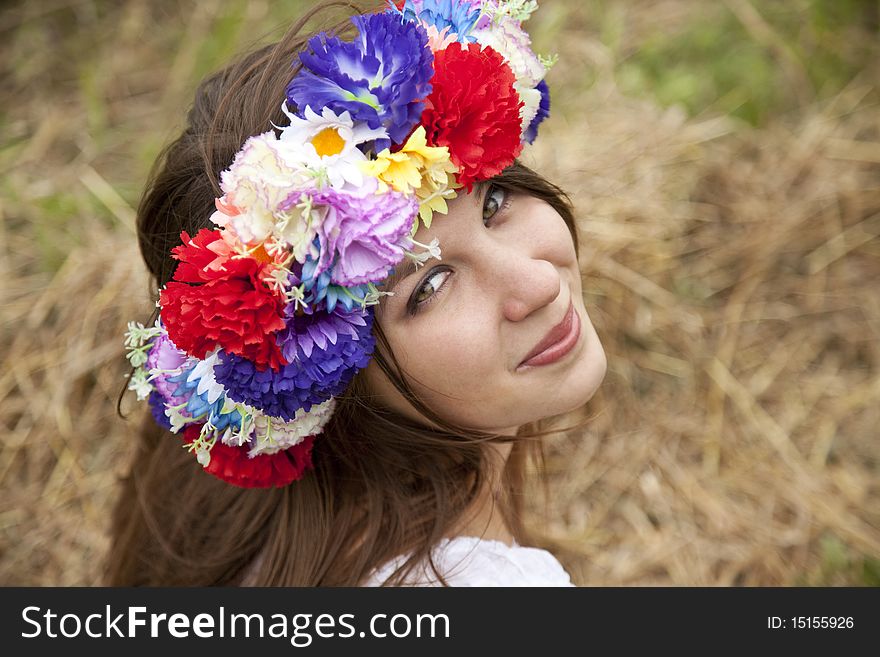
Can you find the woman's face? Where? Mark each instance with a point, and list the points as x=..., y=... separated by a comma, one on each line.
x=495, y=334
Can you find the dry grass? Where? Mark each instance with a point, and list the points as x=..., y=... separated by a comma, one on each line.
x=731, y=272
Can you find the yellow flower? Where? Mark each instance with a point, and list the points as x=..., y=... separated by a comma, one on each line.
x=417, y=167
x=434, y=201
x=396, y=169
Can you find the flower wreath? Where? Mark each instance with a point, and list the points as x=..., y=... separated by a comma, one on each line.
x=269, y=313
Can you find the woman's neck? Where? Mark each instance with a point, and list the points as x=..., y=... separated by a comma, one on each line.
x=484, y=518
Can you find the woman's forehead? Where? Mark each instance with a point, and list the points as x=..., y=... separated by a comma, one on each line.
x=442, y=227
x=463, y=205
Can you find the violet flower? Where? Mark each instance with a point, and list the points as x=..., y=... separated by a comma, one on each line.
x=381, y=77
x=164, y=361
x=157, y=408
x=305, y=382
x=363, y=233
x=309, y=331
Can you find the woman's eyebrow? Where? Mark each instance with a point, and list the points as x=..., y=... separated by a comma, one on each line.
x=481, y=189
x=410, y=266
x=402, y=271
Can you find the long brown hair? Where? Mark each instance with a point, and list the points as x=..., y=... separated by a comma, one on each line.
x=382, y=486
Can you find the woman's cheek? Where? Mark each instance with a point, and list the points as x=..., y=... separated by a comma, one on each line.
x=547, y=233
x=459, y=356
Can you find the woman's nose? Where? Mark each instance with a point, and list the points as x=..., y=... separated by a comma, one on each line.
x=529, y=284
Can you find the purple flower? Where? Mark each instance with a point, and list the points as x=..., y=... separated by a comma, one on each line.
x=157, y=408
x=381, y=77
x=165, y=357
x=543, y=112
x=362, y=233
x=310, y=331
x=306, y=381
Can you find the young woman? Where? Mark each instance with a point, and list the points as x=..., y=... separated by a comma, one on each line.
x=363, y=320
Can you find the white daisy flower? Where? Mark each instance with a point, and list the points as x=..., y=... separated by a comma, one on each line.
x=328, y=144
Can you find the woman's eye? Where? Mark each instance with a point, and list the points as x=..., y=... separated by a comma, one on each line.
x=493, y=202
x=428, y=288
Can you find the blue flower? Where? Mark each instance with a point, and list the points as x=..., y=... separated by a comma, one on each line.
x=459, y=16
x=321, y=367
x=543, y=112
x=206, y=406
x=321, y=288
x=380, y=78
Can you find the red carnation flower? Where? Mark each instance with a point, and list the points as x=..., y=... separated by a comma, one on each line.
x=474, y=110
x=237, y=312
x=200, y=262
x=234, y=466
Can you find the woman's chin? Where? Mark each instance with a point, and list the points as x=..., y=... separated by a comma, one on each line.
x=581, y=382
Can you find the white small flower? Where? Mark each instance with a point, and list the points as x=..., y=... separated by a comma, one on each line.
x=177, y=419
x=139, y=384
x=432, y=250
x=518, y=10
x=137, y=357
x=132, y=335
x=548, y=61
x=237, y=437
x=139, y=339
x=372, y=297
x=298, y=225
x=279, y=280
x=296, y=295
x=203, y=456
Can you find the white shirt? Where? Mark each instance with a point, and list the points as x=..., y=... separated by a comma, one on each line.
x=472, y=561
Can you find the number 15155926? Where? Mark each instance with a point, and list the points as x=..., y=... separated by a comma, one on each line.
x=810, y=622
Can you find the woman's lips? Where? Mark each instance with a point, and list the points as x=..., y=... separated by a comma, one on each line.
x=558, y=342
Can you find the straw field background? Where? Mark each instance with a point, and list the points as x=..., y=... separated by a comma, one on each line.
x=724, y=157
